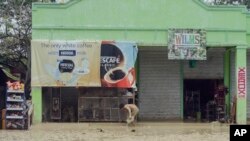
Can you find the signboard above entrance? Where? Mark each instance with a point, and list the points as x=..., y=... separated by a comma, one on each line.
x=81, y=63
x=187, y=44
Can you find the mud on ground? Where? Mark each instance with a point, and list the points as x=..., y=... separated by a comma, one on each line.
x=143, y=131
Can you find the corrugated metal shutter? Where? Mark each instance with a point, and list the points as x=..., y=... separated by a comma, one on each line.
x=232, y=75
x=159, y=85
x=233, y=80
x=212, y=68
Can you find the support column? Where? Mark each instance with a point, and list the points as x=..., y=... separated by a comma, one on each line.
x=37, y=101
x=227, y=78
x=241, y=84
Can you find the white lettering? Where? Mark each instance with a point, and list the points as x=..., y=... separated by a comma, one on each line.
x=66, y=65
x=67, y=53
x=237, y=132
x=107, y=59
x=243, y=131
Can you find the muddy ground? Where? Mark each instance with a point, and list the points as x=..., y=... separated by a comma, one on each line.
x=143, y=131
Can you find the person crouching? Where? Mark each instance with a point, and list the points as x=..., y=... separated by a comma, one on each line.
x=132, y=111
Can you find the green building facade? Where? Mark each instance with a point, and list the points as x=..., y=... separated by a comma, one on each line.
x=163, y=84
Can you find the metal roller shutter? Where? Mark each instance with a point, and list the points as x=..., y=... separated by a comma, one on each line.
x=212, y=68
x=232, y=76
x=159, y=85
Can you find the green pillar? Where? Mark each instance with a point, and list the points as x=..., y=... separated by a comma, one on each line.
x=241, y=87
x=37, y=101
x=227, y=78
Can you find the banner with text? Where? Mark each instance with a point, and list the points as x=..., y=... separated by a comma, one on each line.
x=187, y=44
x=65, y=63
x=79, y=63
x=117, y=64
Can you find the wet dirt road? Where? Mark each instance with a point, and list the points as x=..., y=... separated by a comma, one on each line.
x=143, y=131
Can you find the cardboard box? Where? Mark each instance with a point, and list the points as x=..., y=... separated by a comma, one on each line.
x=3, y=118
x=3, y=124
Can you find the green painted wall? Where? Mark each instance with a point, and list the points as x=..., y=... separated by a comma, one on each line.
x=241, y=104
x=37, y=100
x=248, y=29
x=143, y=21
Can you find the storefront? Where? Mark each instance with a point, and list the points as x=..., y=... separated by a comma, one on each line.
x=169, y=76
x=84, y=80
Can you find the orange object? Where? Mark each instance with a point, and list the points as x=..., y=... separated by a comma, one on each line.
x=15, y=85
x=3, y=118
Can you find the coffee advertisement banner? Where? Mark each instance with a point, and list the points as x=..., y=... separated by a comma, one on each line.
x=117, y=64
x=187, y=44
x=65, y=63
x=80, y=63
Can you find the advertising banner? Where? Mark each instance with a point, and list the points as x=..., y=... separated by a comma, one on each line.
x=117, y=64
x=187, y=44
x=79, y=63
x=65, y=63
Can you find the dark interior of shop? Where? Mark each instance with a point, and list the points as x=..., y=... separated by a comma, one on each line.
x=199, y=99
x=2, y=93
x=59, y=106
x=70, y=104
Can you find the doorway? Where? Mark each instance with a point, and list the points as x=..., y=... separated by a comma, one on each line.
x=59, y=104
x=198, y=93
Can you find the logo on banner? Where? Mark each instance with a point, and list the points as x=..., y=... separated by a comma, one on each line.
x=111, y=57
x=114, y=71
x=66, y=66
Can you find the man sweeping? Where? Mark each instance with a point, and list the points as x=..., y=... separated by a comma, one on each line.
x=132, y=111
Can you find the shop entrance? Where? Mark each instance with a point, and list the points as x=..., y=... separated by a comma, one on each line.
x=198, y=95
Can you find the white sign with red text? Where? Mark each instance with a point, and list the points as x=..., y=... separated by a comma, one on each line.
x=241, y=84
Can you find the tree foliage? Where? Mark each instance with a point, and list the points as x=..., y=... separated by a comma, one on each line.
x=15, y=36
x=15, y=33
x=229, y=2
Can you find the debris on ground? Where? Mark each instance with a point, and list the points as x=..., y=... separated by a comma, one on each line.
x=100, y=130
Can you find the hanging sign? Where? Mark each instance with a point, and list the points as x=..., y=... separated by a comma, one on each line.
x=187, y=44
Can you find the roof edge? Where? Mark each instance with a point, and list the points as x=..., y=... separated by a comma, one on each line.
x=207, y=7
x=36, y=5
